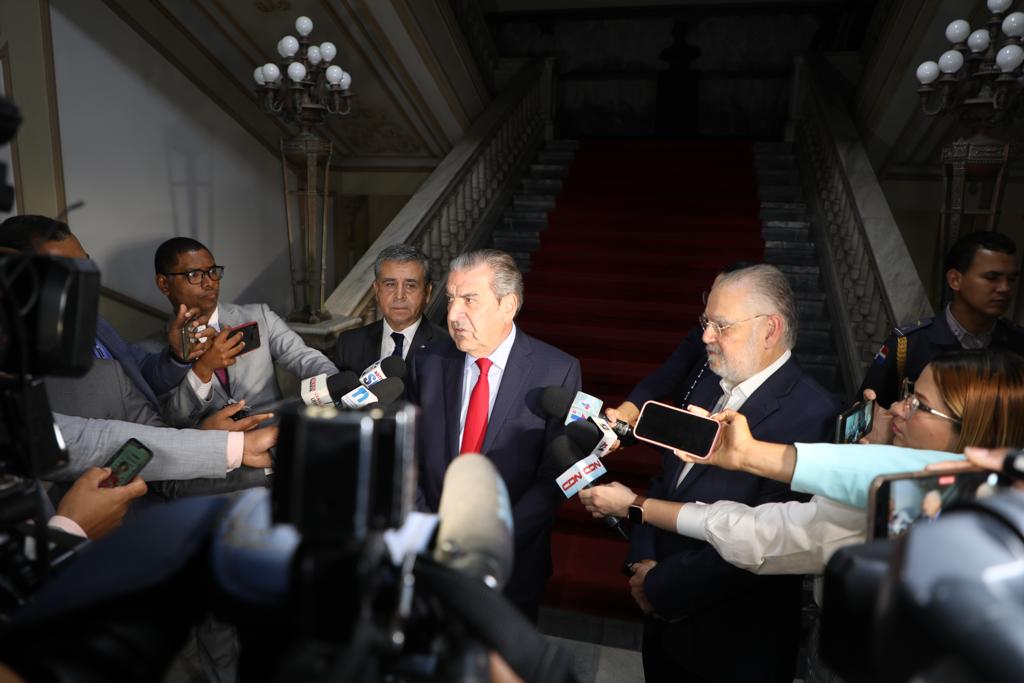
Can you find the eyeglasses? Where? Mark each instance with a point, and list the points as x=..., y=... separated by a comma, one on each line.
x=913, y=404
x=718, y=328
x=195, y=277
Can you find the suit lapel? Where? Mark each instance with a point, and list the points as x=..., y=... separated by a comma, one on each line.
x=510, y=391
x=424, y=335
x=118, y=350
x=453, y=364
x=371, y=345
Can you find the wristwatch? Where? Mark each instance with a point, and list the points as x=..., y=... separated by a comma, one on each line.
x=636, y=510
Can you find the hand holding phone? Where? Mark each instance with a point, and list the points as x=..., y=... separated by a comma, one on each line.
x=670, y=427
x=250, y=336
x=126, y=464
x=855, y=423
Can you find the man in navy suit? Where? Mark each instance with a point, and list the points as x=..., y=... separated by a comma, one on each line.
x=708, y=620
x=153, y=374
x=481, y=394
x=402, y=288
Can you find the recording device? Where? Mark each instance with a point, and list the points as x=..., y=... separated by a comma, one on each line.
x=126, y=463
x=945, y=601
x=392, y=366
x=10, y=119
x=856, y=422
x=670, y=427
x=558, y=402
x=1013, y=465
x=47, y=326
x=577, y=471
x=897, y=501
x=383, y=392
x=250, y=336
x=323, y=390
x=475, y=534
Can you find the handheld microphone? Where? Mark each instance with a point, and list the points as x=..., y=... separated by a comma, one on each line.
x=475, y=533
x=592, y=436
x=559, y=402
x=578, y=472
x=392, y=366
x=384, y=392
x=322, y=390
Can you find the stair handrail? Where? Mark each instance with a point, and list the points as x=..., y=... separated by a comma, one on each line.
x=461, y=200
x=868, y=273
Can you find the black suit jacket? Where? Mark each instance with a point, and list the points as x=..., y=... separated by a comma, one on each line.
x=518, y=432
x=357, y=349
x=692, y=584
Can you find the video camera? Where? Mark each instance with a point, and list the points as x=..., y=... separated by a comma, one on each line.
x=945, y=602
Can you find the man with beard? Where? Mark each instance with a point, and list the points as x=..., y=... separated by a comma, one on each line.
x=691, y=596
x=981, y=271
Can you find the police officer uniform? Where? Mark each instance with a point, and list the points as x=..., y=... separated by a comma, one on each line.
x=911, y=347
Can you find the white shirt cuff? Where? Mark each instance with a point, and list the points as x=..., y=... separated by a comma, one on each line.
x=236, y=450
x=199, y=387
x=690, y=521
x=67, y=525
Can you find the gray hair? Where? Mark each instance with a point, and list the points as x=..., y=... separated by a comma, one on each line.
x=507, y=278
x=771, y=290
x=402, y=253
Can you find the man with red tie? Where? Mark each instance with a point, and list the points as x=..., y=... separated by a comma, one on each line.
x=481, y=394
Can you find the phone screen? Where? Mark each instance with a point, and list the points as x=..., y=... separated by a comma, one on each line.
x=127, y=463
x=852, y=425
x=900, y=501
x=250, y=335
x=677, y=428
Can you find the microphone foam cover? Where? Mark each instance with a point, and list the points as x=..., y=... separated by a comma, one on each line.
x=340, y=384
x=584, y=434
x=475, y=532
x=556, y=401
x=393, y=366
x=388, y=390
x=562, y=453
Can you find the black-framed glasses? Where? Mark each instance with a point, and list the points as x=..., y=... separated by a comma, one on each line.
x=718, y=329
x=195, y=277
x=913, y=404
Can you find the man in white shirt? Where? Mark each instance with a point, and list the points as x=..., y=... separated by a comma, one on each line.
x=682, y=583
x=402, y=288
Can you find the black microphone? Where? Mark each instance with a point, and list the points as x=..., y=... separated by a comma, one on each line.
x=556, y=401
x=475, y=532
x=578, y=471
x=378, y=395
x=392, y=366
x=323, y=390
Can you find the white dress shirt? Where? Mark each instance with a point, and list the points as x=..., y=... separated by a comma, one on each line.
x=735, y=395
x=775, y=538
x=387, y=344
x=471, y=372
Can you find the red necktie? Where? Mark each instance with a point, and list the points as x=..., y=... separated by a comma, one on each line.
x=222, y=377
x=476, y=413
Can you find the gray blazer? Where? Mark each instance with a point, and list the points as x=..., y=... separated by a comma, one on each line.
x=252, y=377
x=108, y=409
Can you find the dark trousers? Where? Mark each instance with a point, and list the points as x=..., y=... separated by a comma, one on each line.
x=659, y=666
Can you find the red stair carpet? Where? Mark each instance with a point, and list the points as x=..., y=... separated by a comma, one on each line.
x=639, y=231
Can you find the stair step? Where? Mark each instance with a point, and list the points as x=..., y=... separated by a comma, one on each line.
x=786, y=234
x=549, y=170
x=562, y=145
x=561, y=157
x=780, y=192
x=541, y=185
x=780, y=177
x=774, y=161
x=515, y=241
x=534, y=201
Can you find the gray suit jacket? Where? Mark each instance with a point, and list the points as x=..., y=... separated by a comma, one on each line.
x=101, y=410
x=252, y=377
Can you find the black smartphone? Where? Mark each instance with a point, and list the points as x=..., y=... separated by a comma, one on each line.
x=126, y=463
x=898, y=501
x=671, y=427
x=852, y=425
x=250, y=335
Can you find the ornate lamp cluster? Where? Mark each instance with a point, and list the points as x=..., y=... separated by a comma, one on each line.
x=977, y=79
x=314, y=87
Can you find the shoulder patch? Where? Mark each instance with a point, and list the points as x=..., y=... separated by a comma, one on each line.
x=913, y=327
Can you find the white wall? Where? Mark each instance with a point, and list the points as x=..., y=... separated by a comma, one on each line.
x=152, y=158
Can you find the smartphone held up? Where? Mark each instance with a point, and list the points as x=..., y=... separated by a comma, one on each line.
x=670, y=427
